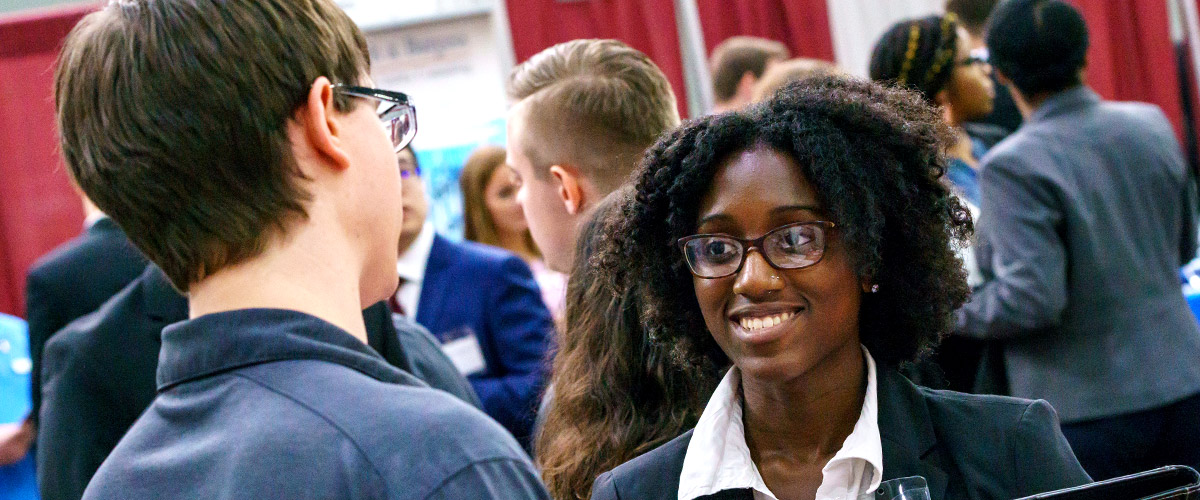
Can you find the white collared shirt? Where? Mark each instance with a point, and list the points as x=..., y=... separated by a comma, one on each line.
x=718, y=458
x=411, y=268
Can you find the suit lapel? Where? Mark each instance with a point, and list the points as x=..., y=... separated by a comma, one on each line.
x=434, y=286
x=908, y=436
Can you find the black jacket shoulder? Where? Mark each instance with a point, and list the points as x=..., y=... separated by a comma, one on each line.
x=966, y=446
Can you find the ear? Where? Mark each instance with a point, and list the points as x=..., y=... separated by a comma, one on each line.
x=745, y=88
x=1002, y=78
x=942, y=98
x=570, y=188
x=323, y=126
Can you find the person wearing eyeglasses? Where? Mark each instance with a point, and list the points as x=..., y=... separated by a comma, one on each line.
x=481, y=302
x=795, y=255
x=973, y=15
x=1089, y=211
x=257, y=170
x=932, y=57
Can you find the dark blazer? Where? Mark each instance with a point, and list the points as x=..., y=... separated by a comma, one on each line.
x=966, y=447
x=491, y=293
x=100, y=376
x=73, y=280
x=1088, y=213
x=427, y=361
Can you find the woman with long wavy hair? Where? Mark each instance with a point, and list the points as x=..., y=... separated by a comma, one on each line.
x=604, y=409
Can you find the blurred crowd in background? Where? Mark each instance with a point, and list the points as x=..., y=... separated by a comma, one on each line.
x=552, y=273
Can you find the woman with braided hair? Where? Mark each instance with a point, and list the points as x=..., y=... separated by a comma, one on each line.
x=931, y=55
x=794, y=255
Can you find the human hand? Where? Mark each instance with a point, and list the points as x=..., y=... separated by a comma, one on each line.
x=15, y=440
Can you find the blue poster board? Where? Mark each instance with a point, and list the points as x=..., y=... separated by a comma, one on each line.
x=440, y=169
x=17, y=481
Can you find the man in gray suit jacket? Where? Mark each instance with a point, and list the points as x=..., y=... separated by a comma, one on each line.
x=1088, y=212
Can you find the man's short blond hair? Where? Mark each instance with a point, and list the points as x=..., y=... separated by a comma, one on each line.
x=596, y=105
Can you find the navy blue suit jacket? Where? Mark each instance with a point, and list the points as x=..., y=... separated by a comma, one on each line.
x=73, y=280
x=491, y=292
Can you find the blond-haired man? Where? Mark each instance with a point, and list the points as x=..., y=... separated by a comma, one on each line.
x=584, y=112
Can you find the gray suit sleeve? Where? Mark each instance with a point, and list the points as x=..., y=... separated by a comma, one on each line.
x=605, y=488
x=429, y=363
x=1190, y=196
x=502, y=479
x=1042, y=458
x=1027, y=291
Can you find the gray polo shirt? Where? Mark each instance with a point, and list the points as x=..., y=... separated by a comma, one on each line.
x=266, y=403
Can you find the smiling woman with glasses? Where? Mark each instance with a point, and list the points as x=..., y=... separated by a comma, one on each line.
x=793, y=256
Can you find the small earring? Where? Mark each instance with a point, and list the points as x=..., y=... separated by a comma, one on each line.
x=874, y=288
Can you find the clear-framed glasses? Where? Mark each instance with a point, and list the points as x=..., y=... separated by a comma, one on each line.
x=905, y=488
x=395, y=110
x=792, y=246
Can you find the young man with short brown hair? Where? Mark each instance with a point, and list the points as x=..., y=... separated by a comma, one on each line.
x=233, y=143
x=736, y=65
x=584, y=112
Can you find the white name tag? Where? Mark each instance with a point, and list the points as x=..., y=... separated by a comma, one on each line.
x=465, y=353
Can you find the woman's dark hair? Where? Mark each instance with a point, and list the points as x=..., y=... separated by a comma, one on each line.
x=873, y=155
x=918, y=54
x=616, y=395
x=1040, y=45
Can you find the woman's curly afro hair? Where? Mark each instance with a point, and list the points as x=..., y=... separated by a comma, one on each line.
x=873, y=154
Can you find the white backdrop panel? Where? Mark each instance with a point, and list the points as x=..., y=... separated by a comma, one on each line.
x=857, y=24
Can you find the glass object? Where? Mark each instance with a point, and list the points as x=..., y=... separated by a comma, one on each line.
x=905, y=488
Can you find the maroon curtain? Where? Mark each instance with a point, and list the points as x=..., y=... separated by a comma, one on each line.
x=803, y=25
x=38, y=208
x=1131, y=56
x=647, y=25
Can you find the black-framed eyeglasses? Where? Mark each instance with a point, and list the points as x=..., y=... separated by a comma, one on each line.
x=792, y=246
x=395, y=110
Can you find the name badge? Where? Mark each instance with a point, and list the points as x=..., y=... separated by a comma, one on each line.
x=462, y=347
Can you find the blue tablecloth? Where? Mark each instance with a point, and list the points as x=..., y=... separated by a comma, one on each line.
x=17, y=481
